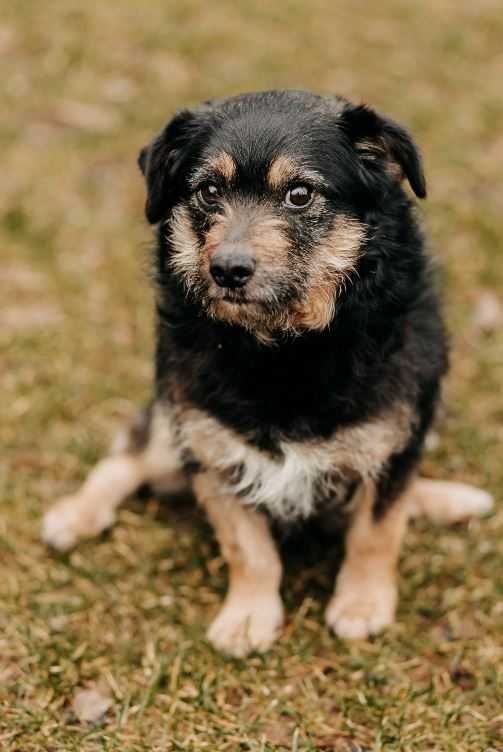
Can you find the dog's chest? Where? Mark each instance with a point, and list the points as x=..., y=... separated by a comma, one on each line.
x=302, y=475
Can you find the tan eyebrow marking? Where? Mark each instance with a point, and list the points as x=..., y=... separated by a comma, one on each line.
x=280, y=171
x=224, y=164
x=284, y=169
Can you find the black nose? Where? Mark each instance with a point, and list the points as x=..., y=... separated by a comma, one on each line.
x=232, y=268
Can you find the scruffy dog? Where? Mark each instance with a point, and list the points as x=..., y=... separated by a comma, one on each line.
x=300, y=350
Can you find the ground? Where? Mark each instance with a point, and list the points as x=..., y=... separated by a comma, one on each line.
x=84, y=85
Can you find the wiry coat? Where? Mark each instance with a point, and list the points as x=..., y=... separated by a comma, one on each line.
x=379, y=358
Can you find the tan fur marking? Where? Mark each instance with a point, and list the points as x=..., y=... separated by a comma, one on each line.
x=365, y=595
x=334, y=261
x=341, y=249
x=252, y=612
x=185, y=247
x=218, y=230
x=374, y=150
x=280, y=172
x=224, y=165
x=317, y=309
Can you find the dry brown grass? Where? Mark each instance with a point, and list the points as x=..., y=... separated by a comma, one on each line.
x=84, y=86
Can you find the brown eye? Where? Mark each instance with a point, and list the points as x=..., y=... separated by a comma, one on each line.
x=298, y=197
x=208, y=195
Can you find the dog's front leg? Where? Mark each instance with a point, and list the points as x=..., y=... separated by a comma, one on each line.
x=252, y=613
x=365, y=595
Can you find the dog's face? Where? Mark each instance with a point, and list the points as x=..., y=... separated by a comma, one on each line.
x=264, y=198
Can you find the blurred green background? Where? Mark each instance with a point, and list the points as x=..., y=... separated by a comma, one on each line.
x=83, y=87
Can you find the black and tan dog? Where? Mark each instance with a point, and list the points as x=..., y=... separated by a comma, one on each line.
x=300, y=350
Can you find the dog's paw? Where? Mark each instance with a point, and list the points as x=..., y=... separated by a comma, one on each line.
x=447, y=502
x=72, y=519
x=357, y=611
x=244, y=625
x=465, y=501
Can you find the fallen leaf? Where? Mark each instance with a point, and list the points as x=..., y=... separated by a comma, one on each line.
x=464, y=679
x=278, y=733
x=432, y=441
x=89, y=705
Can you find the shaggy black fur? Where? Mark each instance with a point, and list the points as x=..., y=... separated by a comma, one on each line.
x=386, y=341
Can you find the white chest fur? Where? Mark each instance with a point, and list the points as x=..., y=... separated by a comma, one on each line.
x=287, y=484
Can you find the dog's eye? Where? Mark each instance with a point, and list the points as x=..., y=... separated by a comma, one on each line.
x=208, y=195
x=298, y=197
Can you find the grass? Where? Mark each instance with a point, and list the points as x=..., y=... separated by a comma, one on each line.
x=85, y=86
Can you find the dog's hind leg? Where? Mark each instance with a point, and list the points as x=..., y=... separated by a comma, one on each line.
x=145, y=453
x=446, y=502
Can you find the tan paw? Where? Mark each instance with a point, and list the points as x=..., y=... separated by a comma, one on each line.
x=244, y=625
x=72, y=519
x=355, y=612
x=465, y=501
x=446, y=502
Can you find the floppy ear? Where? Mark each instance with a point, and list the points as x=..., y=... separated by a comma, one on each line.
x=379, y=139
x=161, y=161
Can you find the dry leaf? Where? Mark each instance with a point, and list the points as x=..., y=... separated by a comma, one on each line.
x=279, y=733
x=89, y=705
x=432, y=441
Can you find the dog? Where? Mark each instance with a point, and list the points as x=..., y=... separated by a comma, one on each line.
x=300, y=352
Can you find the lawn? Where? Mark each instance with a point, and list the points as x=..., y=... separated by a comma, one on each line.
x=84, y=86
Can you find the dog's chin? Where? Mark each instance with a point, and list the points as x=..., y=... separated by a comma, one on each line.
x=238, y=307
x=259, y=312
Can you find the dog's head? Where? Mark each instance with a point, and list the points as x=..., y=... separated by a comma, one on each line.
x=263, y=201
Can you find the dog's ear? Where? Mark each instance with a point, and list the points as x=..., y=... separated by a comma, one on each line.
x=380, y=140
x=161, y=162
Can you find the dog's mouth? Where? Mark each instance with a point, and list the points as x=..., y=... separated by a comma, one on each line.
x=250, y=303
x=236, y=297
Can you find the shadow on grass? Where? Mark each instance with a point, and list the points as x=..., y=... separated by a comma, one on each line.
x=311, y=556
